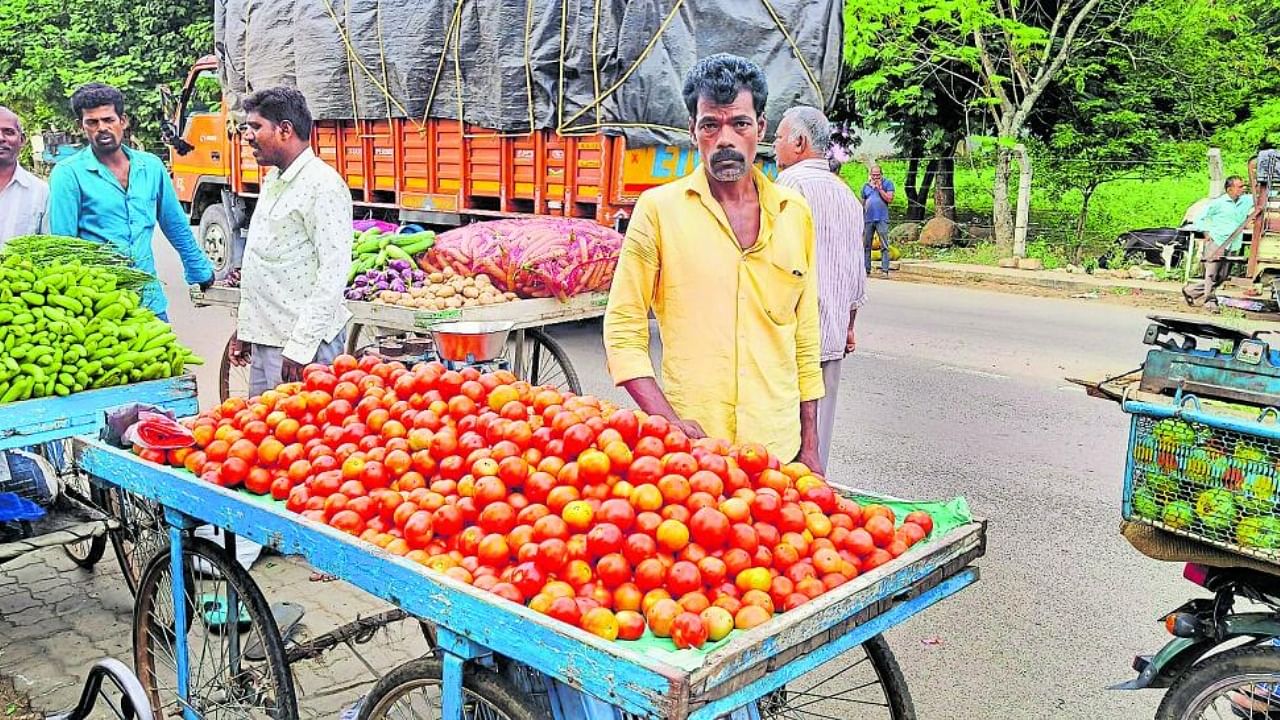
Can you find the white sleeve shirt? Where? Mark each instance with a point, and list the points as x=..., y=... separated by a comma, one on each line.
x=296, y=260
x=24, y=205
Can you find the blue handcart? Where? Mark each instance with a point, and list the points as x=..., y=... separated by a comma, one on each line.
x=84, y=516
x=209, y=645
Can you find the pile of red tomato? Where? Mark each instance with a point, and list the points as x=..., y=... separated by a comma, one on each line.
x=602, y=518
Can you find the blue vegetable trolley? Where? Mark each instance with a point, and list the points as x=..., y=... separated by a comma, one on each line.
x=210, y=644
x=85, y=516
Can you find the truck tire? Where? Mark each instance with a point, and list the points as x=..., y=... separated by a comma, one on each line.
x=216, y=238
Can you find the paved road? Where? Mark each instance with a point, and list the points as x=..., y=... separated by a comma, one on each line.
x=952, y=391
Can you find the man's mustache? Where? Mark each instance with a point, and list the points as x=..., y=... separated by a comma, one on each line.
x=727, y=154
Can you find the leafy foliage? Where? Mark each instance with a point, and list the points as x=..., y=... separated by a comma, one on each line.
x=51, y=47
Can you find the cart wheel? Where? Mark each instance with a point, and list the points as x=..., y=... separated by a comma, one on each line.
x=545, y=362
x=87, y=553
x=863, y=683
x=233, y=380
x=222, y=680
x=142, y=534
x=413, y=691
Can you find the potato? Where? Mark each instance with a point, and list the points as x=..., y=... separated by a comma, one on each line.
x=483, y=279
x=435, y=278
x=445, y=291
x=470, y=302
x=453, y=302
x=470, y=292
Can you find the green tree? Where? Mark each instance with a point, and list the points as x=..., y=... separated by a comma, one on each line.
x=926, y=112
x=51, y=47
x=1005, y=53
x=1143, y=102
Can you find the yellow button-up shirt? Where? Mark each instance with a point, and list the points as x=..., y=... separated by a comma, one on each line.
x=739, y=328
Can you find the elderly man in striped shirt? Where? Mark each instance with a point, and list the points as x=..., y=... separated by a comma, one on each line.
x=801, y=145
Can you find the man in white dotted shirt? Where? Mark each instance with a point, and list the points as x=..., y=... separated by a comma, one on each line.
x=298, y=252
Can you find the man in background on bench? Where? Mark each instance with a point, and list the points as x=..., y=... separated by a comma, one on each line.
x=1223, y=223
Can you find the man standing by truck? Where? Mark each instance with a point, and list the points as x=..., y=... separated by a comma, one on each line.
x=804, y=135
x=725, y=259
x=1223, y=223
x=117, y=195
x=298, y=252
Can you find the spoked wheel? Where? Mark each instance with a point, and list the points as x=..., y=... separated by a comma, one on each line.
x=234, y=669
x=413, y=692
x=142, y=534
x=233, y=380
x=863, y=683
x=544, y=362
x=85, y=553
x=1243, y=682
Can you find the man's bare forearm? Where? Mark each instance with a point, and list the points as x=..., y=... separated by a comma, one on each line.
x=649, y=397
x=809, y=454
x=853, y=317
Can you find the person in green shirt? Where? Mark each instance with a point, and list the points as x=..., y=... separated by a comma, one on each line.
x=1222, y=223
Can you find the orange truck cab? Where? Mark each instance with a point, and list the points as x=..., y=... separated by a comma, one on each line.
x=432, y=172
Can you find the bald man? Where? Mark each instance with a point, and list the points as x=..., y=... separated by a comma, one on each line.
x=23, y=196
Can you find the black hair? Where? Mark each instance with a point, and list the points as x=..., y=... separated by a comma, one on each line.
x=720, y=78
x=279, y=104
x=1234, y=178
x=96, y=95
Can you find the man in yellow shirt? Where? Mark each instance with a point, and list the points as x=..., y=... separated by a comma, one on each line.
x=725, y=259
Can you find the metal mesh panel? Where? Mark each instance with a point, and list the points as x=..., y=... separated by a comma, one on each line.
x=1212, y=484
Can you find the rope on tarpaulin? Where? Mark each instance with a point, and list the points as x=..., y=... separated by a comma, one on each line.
x=352, y=55
x=563, y=127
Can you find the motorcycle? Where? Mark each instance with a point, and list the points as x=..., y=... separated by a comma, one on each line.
x=1224, y=659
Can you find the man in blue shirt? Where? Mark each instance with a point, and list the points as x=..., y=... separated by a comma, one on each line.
x=1222, y=223
x=114, y=194
x=877, y=193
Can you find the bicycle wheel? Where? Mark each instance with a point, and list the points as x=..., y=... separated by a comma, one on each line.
x=233, y=380
x=1243, y=682
x=222, y=681
x=863, y=683
x=85, y=553
x=142, y=534
x=413, y=692
x=544, y=362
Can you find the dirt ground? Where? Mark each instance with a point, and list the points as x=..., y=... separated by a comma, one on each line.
x=15, y=705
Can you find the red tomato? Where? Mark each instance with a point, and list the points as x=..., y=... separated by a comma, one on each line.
x=922, y=519
x=604, y=539
x=880, y=528
x=650, y=574
x=688, y=631
x=710, y=529
x=613, y=570
x=682, y=578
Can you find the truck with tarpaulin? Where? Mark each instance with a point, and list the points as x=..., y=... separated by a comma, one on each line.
x=442, y=113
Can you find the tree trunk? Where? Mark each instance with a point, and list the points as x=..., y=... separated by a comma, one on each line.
x=915, y=211
x=1082, y=221
x=1002, y=210
x=944, y=192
